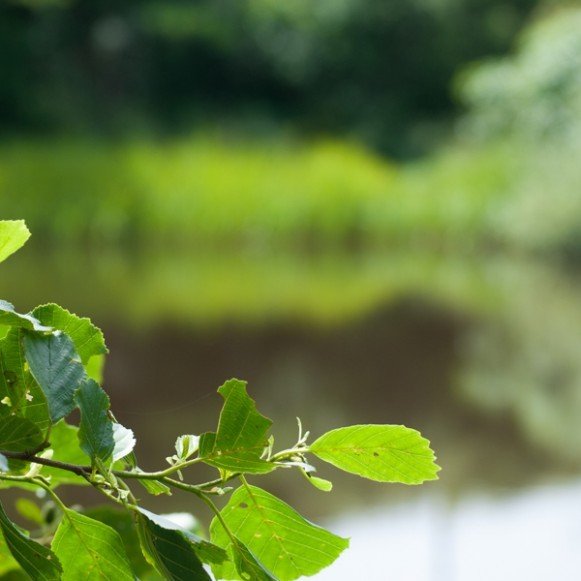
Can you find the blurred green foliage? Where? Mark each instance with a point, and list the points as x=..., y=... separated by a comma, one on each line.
x=376, y=70
x=531, y=102
x=202, y=190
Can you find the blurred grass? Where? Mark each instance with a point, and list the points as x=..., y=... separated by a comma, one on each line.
x=215, y=192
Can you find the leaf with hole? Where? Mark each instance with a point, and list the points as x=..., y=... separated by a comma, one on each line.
x=385, y=453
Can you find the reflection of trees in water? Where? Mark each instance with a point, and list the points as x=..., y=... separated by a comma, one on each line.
x=525, y=361
x=339, y=339
x=396, y=366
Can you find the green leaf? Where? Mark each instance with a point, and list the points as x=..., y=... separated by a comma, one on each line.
x=96, y=427
x=285, y=543
x=384, y=453
x=247, y=565
x=154, y=487
x=123, y=522
x=174, y=552
x=13, y=235
x=36, y=407
x=38, y=561
x=320, y=483
x=89, y=549
x=241, y=438
x=29, y=510
x=88, y=338
x=95, y=367
x=19, y=435
x=57, y=368
x=9, y=317
x=64, y=442
x=7, y=561
x=13, y=382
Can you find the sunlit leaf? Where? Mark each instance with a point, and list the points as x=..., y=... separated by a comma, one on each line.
x=89, y=549
x=8, y=563
x=88, y=338
x=242, y=433
x=285, y=543
x=38, y=561
x=13, y=235
x=57, y=368
x=123, y=522
x=96, y=427
x=320, y=483
x=385, y=453
x=95, y=366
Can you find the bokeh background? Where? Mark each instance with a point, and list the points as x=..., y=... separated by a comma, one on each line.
x=369, y=209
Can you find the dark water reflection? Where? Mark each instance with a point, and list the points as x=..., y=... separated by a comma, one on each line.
x=480, y=354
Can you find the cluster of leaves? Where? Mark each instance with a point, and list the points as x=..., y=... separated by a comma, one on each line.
x=50, y=364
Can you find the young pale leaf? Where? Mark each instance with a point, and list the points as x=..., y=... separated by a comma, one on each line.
x=13, y=235
x=96, y=427
x=38, y=561
x=187, y=446
x=320, y=483
x=9, y=317
x=174, y=552
x=241, y=438
x=89, y=549
x=384, y=453
x=19, y=435
x=88, y=338
x=288, y=545
x=124, y=441
x=57, y=368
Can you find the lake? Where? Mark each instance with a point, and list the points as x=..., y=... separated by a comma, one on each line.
x=480, y=353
